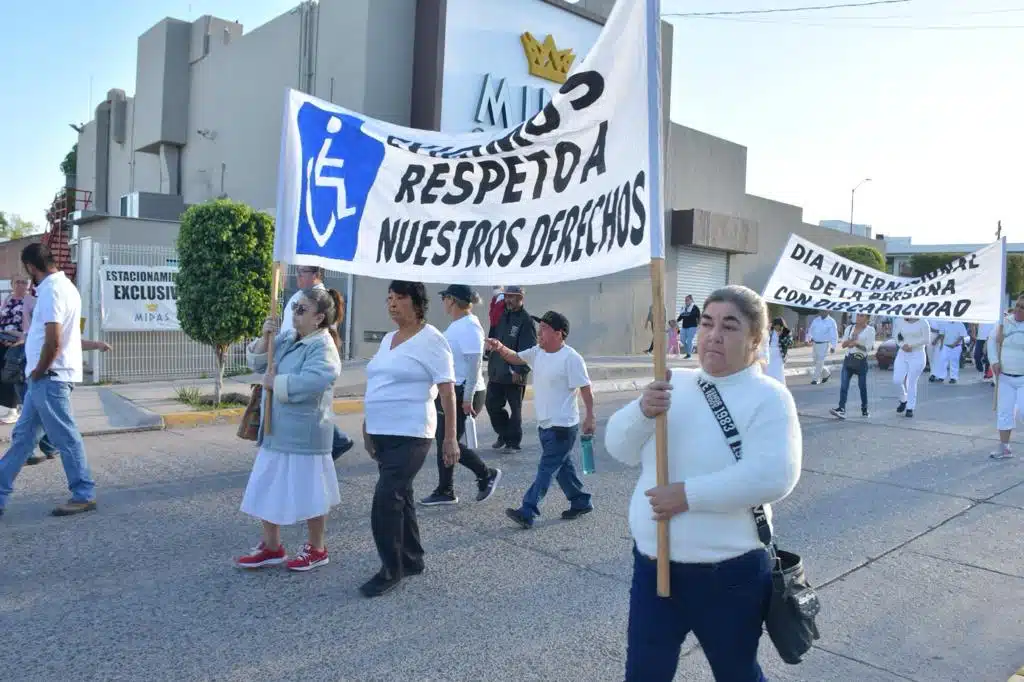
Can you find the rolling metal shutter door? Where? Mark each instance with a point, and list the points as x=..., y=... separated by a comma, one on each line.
x=698, y=273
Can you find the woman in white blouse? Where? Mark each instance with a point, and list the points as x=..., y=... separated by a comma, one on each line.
x=720, y=570
x=858, y=340
x=412, y=367
x=913, y=335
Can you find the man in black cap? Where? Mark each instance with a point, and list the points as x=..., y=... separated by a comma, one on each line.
x=559, y=378
x=506, y=384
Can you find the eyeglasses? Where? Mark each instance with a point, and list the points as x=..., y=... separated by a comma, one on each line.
x=299, y=309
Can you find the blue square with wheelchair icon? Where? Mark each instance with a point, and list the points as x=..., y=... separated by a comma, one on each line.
x=339, y=165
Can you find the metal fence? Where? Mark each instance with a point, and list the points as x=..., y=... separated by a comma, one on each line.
x=158, y=355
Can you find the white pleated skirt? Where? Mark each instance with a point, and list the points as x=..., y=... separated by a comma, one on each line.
x=286, y=489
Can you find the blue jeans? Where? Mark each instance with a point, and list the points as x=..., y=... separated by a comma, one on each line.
x=688, y=334
x=980, y=356
x=862, y=383
x=723, y=604
x=556, y=463
x=47, y=406
x=44, y=443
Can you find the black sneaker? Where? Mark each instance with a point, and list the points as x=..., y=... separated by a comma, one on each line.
x=342, y=450
x=410, y=570
x=825, y=380
x=570, y=514
x=864, y=412
x=487, y=485
x=838, y=412
x=814, y=382
x=39, y=459
x=498, y=444
x=940, y=381
x=932, y=379
x=902, y=406
x=378, y=585
x=436, y=499
x=519, y=519
x=909, y=413
x=952, y=381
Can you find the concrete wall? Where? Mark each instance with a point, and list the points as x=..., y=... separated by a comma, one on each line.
x=238, y=102
x=10, y=255
x=116, y=230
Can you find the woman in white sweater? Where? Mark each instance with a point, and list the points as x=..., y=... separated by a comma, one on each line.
x=913, y=335
x=721, y=577
x=1006, y=355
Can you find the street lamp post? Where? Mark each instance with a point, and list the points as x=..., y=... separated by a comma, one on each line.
x=853, y=194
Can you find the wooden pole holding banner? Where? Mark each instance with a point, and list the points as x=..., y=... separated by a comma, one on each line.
x=275, y=294
x=1002, y=319
x=655, y=121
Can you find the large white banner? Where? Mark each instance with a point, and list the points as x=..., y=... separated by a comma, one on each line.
x=565, y=195
x=969, y=289
x=138, y=298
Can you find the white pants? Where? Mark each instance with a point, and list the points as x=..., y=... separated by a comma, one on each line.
x=906, y=370
x=949, y=363
x=1010, y=402
x=820, y=353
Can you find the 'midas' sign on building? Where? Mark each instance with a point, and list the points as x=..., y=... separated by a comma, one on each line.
x=968, y=289
x=564, y=195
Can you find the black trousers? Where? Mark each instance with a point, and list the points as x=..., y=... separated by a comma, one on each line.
x=467, y=456
x=393, y=515
x=508, y=425
x=8, y=392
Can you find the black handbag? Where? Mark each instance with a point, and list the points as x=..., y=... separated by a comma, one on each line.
x=794, y=603
x=855, y=362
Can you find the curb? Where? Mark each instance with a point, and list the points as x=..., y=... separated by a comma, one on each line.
x=193, y=418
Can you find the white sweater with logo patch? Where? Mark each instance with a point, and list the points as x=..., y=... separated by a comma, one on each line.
x=720, y=490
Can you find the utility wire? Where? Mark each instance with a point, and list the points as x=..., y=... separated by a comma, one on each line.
x=882, y=27
x=776, y=10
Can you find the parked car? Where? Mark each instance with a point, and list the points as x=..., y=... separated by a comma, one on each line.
x=886, y=354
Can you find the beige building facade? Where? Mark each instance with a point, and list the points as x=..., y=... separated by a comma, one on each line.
x=205, y=122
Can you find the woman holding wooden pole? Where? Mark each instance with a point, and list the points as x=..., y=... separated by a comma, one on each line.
x=1006, y=353
x=720, y=570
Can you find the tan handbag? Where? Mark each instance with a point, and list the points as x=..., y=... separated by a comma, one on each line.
x=249, y=427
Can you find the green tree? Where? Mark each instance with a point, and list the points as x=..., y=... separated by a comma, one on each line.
x=13, y=226
x=225, y=251
x=865, y=255
x=69, y=165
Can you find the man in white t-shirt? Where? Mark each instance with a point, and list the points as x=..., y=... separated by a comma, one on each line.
x=53, y=364
x=954, y=334
x=309, y=277
x=559, y=376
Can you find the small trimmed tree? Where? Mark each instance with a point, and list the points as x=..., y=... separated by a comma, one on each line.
x=865, y=255
x=225, y=252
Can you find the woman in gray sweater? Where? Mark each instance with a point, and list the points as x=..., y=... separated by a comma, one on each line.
x=293, y=477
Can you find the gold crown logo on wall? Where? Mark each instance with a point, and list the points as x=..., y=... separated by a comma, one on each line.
x=545, y=60
x=151, y=307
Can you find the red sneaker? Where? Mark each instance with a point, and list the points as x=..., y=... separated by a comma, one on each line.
x=261, y=556
x=988, y=373
x=308, y=559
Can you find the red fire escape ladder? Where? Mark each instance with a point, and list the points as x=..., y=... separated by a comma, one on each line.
x=58, y=234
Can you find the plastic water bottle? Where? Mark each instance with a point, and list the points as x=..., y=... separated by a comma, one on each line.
x=471, y=440
x=587, y=453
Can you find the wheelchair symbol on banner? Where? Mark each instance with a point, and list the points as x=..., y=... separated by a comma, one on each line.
x=315, y=176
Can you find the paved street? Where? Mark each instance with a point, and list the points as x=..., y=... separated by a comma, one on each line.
x=912, y=532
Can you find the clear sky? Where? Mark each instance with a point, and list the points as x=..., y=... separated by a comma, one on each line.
x=933, y=115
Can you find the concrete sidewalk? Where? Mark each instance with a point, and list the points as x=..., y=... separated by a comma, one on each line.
x=153, y=405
